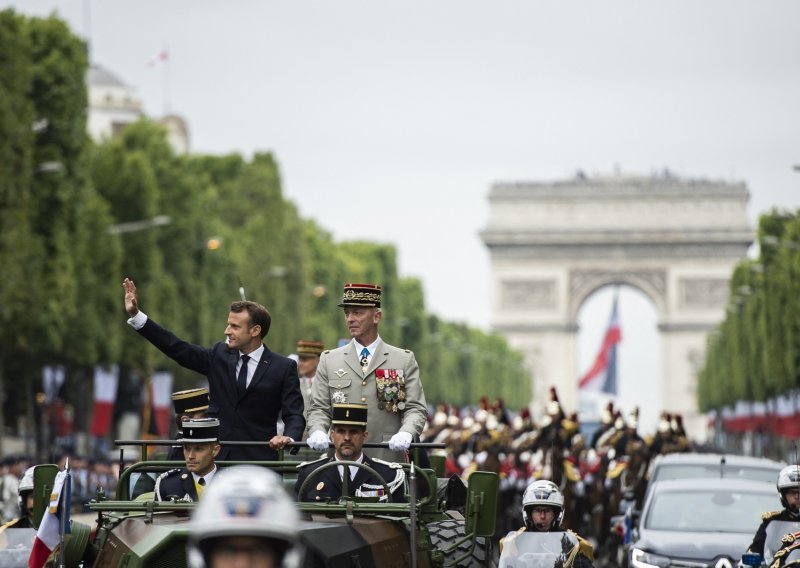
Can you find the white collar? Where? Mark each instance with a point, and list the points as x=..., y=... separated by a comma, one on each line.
x=254, y=355
x=372, y=347
x=208, y=477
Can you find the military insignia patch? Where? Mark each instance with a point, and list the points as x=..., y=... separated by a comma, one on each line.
x=391, y=387
x=340, y=373
x=339, y=397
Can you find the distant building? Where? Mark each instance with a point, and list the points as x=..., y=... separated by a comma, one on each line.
x=113, y=105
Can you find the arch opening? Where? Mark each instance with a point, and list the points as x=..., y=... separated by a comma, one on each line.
x=638, y=354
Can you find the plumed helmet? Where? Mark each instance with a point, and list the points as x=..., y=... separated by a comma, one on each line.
x=542, y=493
x=788, y=478
x=243, y=501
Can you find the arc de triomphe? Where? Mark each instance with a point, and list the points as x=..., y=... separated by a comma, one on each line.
x=553, y=244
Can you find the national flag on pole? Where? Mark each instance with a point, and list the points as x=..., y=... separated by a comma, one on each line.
x=106, y=380
x=158, y=59
x=603, y=374
x=54, y=521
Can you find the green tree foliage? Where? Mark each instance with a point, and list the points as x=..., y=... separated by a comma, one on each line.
x=67, y=208
x=753, y=354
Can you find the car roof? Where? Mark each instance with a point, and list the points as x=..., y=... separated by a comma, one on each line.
x=706, y=483
x=730, y=459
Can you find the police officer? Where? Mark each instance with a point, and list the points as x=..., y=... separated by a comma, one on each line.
x=200, y=446
x=543, y=511
x=788, y=486
x=245, y=519
x=348, y=433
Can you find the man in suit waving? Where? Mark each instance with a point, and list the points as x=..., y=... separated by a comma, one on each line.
x=369, y=371
x=248, y=384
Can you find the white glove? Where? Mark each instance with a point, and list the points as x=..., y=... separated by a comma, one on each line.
x=400, y=442
x=318, y=441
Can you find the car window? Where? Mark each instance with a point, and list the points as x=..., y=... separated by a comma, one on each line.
x=708, y=511
x=691, y=471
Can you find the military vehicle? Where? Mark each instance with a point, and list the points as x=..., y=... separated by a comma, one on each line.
x=447, y=525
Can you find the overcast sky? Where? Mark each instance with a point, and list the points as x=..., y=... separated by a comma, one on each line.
x=390, y=120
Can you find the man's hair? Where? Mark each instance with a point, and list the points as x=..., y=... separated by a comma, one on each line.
x=258, y=314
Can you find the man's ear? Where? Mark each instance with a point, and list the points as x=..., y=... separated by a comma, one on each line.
x=216, y=450
x=366, y=434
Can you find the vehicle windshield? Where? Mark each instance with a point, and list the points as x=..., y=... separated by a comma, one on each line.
x=696, y=470
x=708, y=511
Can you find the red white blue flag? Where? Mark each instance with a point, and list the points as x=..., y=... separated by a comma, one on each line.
x=603, y=374
x=55, y=521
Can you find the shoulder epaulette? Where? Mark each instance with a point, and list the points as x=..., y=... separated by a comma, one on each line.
x=304, y=464
x=393, y=465
x=168, y=473
x=584, y=546
x=769, y=515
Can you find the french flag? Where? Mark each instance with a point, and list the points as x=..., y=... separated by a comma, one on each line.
x=603, y=374
x=55, y=521
x=106, y=380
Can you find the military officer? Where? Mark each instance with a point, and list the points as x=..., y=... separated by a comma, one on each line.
x=369, y=371
x=308, y=353
x=348, y=434
x=200, y=446
x=188, y=404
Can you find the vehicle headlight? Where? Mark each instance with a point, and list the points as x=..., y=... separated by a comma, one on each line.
x=643, y=559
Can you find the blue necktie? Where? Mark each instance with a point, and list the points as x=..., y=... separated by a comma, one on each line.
x=364, y=359
x=242, y=378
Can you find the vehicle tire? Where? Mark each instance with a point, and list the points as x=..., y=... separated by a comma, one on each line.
x=444, y=533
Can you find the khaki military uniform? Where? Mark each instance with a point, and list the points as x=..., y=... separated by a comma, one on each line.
x=390, y=388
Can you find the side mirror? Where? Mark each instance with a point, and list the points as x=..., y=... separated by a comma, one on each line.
x=44, y=477
x=481, y=514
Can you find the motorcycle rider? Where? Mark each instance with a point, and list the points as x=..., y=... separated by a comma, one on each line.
x=245, y=518
x=788, y=485
x=25, y=502
x=543, y=511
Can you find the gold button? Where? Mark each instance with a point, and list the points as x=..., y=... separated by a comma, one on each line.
x=364, y=383
x=363, y=399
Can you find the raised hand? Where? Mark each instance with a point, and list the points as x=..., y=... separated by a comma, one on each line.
x=131, y=305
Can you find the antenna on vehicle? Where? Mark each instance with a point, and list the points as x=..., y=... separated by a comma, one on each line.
x=722, y=467
x=241, y=290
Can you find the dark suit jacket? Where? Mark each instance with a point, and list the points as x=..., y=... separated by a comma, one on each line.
x=252, y=416
x=328, y=484
x=175, y=483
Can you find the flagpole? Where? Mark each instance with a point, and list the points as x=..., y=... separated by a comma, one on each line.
x=167, y=104
x=66, y=501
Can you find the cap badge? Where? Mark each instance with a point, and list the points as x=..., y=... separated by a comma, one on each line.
x=320, y=485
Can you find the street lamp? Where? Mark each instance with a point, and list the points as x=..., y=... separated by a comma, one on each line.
x=134, y=226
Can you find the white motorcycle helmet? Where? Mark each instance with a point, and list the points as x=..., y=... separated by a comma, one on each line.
x=25, y=488
x=243, y=500
x=542, y=493
x=788, y=478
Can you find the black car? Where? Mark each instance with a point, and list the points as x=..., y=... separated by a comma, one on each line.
x=699, y=522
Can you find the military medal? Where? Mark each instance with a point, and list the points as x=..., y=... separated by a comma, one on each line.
x=339, y=397
x=390, y=386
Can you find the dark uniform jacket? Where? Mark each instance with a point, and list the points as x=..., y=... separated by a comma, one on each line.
x=251, y=415
x=328, y=484
x=177, y=483
x=761, y=534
